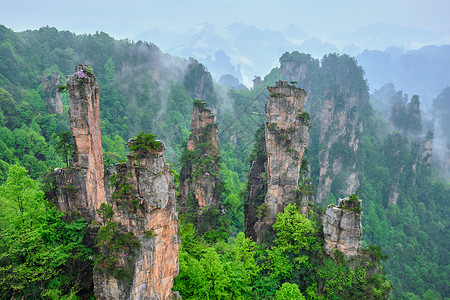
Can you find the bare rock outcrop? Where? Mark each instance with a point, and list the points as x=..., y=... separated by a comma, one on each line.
x=142, y=195
x=342, y=227
x=337, y=99
x=199, y=177
x=286, y=135
x=81, y=188
x=53, y=99
x=141, y=229
x=257, y=185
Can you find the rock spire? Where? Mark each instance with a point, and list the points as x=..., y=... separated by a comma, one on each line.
x=286, y=135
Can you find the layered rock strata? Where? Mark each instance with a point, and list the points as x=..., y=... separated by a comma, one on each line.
x=81, y=188
x=142, y=195
x=337, y=99
x=257, y=185
x=342, y=228
x=286, y=135
x=140, y=192
x=199, y=177
x=53, y=99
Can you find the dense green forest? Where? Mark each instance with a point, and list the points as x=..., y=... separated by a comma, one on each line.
x=143, y=89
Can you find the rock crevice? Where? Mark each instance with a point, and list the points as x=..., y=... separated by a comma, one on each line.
x=342, y=228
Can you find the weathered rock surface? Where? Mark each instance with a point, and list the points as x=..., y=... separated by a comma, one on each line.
x=256, y=187
x=142, y=199
x=199, y=177
x=53, y=99
x=337, y=94
x=149, y=206
x=81, y=188
x=286, y=136
x=342, y=229
x=199, y=84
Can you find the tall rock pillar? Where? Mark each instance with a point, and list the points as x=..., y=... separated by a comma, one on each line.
x=342, y=227
x=199, y=177
x=141, y=193
x=286, y=135
x=81, y=188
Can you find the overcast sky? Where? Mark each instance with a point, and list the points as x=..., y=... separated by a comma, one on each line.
x=126, y=18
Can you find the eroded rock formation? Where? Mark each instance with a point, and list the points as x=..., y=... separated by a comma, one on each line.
x=142, y=195
x=199, y=177
x=199, y=84
x=256, y=186
x=286, y=135
x=342, y=227
x=53, y=99
x=81, y=187
x=406, y=116
x=337, y=100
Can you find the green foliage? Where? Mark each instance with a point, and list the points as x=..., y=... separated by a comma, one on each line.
x=305, y=117
x=412, y=232
x=64, y=145
x=289, y=291
x=294, y=232
x=105, y=212
x=223, y=271
x=375, y=253
x=116, y=249
x=342, y=282
x=62, y=88
x=145, y=142
x=123, y=193
x=149, y=234
x=352, y=204
x=201, y=105
x=38, y=249
x=262, y=212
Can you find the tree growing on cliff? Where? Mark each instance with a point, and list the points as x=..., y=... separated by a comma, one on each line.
x=65, y=145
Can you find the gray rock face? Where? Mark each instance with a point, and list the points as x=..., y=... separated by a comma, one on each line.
x=256, y=187
x=199, y=178
x=342, y=229
x=334, y=102
x=53, y=99
x=286, y=136
x=81, y=188
x=142, y=198
x=149, y=206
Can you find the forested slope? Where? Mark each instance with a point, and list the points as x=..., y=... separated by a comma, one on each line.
x=142, y=88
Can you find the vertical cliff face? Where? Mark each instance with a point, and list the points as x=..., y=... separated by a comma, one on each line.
x=84, y=117
x=81, y=187
x=342, y=227
x=340, y=132
x=142, y=195
x=286, y=135
x=53, y=99
x=199, y=84
x=199, y=177
x=257, y=184
x=406, y=116
x=337, y=100
x=137, y=244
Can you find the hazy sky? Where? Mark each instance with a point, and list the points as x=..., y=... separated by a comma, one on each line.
x=126, y=18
